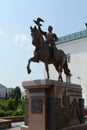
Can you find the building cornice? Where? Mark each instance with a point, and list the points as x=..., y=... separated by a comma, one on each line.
x=2, y=86
x=71, y=37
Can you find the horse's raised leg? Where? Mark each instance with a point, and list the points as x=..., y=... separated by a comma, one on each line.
x=47, y=70
x=28, y=68
x=33, y=59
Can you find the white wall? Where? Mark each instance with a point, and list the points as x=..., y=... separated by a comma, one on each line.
x=78, y=64
x=75, y=46
x=78, y=68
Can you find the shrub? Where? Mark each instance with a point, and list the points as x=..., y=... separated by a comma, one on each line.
x=11, y=107
x=17, y=113
x=11, y=104
x=9, y=113
x=2, y=113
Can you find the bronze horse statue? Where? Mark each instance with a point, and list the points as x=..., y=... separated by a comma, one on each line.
x=44, y=53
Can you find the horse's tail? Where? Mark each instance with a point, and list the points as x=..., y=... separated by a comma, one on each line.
x=66, y=69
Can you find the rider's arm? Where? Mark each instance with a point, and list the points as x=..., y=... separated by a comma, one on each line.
x=55, y=37
x=42, y=32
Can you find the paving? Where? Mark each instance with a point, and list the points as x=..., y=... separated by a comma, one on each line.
x=16, y=126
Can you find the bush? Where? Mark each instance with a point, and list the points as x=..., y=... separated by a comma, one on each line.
x=3, y=104
x=2, y=113
x=17, y=113
x=11, y=107
x=9, y=113
x=11, y=104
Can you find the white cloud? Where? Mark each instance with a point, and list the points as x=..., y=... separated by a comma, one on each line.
x=22, y=38
x=23, y=41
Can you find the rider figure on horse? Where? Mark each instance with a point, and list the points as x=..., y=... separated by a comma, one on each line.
x=43, y=52
x=49, y=36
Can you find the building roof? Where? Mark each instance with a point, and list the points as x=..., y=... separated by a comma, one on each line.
x=73, y=36
x=2, y=86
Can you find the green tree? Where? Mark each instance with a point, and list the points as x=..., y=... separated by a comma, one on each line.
x=16, y=93
x=11, y=104
x=11, y=95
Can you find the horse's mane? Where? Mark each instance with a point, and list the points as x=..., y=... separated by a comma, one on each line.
x=37, y=36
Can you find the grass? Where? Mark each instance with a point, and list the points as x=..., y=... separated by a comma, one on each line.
x=3, y=102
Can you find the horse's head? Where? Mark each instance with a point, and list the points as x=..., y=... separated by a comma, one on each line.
x=36, y=36
x=33, y=30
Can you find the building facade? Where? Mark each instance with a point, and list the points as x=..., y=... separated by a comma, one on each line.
x=75, y=46
x=4, y=91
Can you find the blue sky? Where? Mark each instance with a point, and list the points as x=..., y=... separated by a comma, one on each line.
x=16, y=16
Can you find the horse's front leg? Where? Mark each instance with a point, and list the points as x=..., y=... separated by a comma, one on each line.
x=47, y=70
x=33, y=59
x=28, y=67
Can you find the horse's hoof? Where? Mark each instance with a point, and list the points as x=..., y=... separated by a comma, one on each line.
x=29, y=71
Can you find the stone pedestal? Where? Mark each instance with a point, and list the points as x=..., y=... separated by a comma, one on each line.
x=4, y=124
x=52, y=105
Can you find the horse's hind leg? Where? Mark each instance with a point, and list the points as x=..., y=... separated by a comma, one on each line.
x=60, y=74
x=59, y=70
x=60, y=77
x=47, y=70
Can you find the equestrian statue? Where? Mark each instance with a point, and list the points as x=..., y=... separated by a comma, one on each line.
x=46, y=51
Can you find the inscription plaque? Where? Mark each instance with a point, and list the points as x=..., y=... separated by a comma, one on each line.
x=36, y=106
